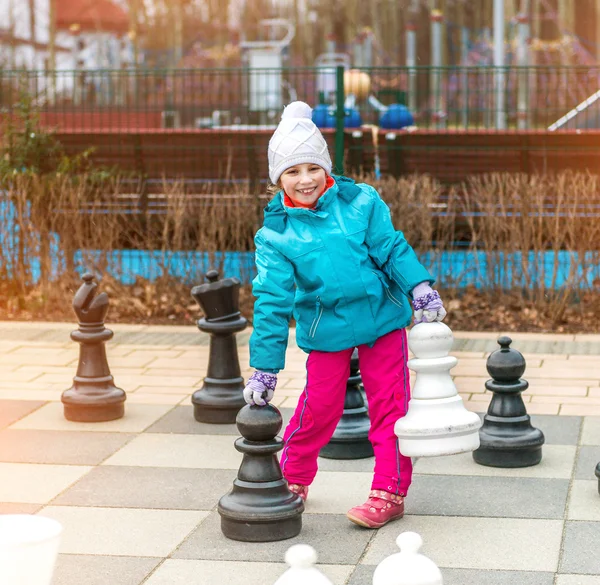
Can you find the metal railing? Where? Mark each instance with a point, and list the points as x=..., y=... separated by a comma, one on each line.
x=445, y=98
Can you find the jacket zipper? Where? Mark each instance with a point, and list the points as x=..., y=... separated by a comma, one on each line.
x=318, y=313
x=389, y=293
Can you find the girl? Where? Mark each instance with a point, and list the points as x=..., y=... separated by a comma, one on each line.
x=329, y=255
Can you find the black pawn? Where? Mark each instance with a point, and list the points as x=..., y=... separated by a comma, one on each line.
x=598, y=476
x=260, y=508
x=507, y=437
x=350, y=440
x=93, y=396
x=221, y=397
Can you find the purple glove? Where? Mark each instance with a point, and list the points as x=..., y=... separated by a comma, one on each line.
x=260, y=388
x=427, y=304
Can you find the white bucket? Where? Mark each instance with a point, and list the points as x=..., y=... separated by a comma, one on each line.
x=28, y=549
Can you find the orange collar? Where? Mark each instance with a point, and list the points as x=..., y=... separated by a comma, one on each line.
x=289, y=202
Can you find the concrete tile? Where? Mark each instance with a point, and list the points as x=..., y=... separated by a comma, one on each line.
x=165, y=383
x=348, y=465
x=332, y=493
x=187, y=451
x=51, y=418
x=13, y=410
x=364, y=576
x=580, y=548
x=18, y=508
x=580, y=409
x=64, y=448
x=189, y=572
x=44, y=395
x=208, y=543
x=122, y=531
x=36, y=484
x=587, y=459
x=140, y=397
x=149, y=487
x=96, y=570
x=590, y=434
x=557, y=462
x=577, y=580
x=450, y=542
x=557, y=431
x=487, y=496
x=583, y=500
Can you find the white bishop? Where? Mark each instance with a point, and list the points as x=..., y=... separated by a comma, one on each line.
x=302, y=559
x=437, y=422
x=407, y=567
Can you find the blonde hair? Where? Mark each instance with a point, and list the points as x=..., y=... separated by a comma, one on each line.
x=274, y=188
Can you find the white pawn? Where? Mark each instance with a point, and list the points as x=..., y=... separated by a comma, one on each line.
x=407, y=567
x=302, y=559
x=437, y=422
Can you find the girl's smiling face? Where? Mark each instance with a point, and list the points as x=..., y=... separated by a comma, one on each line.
x=304, y=182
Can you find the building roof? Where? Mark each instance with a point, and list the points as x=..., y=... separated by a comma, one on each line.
x=91, y=16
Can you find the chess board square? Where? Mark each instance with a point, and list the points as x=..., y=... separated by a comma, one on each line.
x=59, y=447
x=450, y=542
x=122, y=531
x=102, y=570
x=501, y=497
x=13, y=410
x=591, y=431
x=584, y=501
x=580, y=548
x=207, y=542
x=165, y=488
x=587, y=459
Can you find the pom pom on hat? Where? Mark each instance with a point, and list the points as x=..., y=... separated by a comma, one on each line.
x=296, y=141
x=297, y=110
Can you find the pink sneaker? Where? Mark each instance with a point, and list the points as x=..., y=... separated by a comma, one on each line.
x=301, y=490
x=379, y=509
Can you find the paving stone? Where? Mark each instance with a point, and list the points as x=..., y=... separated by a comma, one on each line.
x=501, y=497
x=76, y=448
x=591, y=431
x=557, y=462
x=122, y=531
x=181, y=420
x=584, y=501
x=208, y=543
x=587, y=459
x=562, y=430
x=348, y=465
x=192, y=451
x=149, y=487
x=577, y=580
x=335, y=492
x=51, y=417
x=102, y=570
x=364, y=576
x=18, y=508
x=476, y=543
x=36, y=484
x=13, y=410
x=193, y=572
x=580, y=548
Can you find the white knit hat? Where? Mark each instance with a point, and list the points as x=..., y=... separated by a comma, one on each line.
x=296, y=140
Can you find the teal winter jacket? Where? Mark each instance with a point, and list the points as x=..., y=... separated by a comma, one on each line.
x=341, y=270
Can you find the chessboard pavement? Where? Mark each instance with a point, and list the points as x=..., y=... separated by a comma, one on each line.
x=137, y=497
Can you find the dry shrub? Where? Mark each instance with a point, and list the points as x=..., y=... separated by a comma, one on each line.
x=510, y=221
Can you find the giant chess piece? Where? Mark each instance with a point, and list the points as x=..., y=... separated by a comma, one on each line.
x=350, y=440
x=302, y=559
x=93, y=396
x=260, y=508
x=507, y=437
x=437, y=422
x=221, y=397
x=407, y=567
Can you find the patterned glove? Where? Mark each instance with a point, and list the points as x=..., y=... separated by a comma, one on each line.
x=260, y=388
x=427, y=304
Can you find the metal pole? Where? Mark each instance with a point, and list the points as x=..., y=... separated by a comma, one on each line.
x=339, y=120
x=436, y=70
x=411, y=58
x=499, y=64
x=522, y=62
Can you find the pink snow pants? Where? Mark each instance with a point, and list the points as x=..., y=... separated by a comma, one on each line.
x=386, y=380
